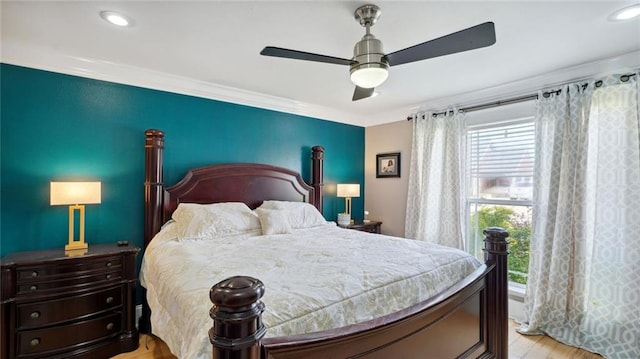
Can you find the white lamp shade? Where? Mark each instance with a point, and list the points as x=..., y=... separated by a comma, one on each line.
x=348, y=190
x=70, y=193
x=369, y=77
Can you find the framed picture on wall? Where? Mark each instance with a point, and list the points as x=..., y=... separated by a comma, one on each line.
x=388, y=165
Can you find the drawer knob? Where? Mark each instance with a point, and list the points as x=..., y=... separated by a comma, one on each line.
x=109, y=264
x=109, y=300
x=34, y=274
x=109, y=326
x=35, y=315
x=34, y=342
x=108, y=276
x=33, y=288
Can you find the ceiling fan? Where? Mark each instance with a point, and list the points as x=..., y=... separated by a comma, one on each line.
x=369, y=66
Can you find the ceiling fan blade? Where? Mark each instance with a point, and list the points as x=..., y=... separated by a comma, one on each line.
x=361, y=92
x=468, y=39
x=301, y=55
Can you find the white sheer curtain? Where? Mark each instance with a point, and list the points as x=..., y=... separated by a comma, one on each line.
x=584, y=273
x=435, y=210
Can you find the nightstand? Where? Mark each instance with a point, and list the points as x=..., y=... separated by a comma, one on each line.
x=371, y=226
x=57, y=306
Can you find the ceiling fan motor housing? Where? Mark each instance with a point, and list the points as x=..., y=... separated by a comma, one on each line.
x=368, y=56
x=370, y=67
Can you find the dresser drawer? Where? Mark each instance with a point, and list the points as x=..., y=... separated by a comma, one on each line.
x=29, y=274
x=48, y=341
x=62, y=285
x=60, y=310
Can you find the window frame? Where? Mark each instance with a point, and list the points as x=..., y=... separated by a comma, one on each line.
x=473, y=198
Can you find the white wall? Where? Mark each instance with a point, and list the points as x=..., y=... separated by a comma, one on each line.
x=386, y=198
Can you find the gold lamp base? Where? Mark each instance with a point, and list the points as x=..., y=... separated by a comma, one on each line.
x=75, y=252
x=79, y=247
x=347, y=206
x=75, y=246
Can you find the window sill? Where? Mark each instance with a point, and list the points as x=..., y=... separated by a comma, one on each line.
x=516, y=291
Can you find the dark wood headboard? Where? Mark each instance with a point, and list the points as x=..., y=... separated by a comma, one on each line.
x=250, y=183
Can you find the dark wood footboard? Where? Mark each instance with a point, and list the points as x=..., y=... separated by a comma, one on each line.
x=469, y=320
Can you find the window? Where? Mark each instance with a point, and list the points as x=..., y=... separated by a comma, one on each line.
x=500, y=158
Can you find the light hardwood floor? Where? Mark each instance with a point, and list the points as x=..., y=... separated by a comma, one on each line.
x=520, y=347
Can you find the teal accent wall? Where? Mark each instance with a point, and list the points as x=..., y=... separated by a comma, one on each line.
x=61, y=127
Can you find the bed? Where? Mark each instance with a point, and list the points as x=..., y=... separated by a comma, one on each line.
x=464, y=317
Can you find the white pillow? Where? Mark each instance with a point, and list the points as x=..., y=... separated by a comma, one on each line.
x=198, y=221
x=300, y=214
x=274, y=221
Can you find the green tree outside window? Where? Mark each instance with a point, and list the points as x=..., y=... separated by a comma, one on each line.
x=519, y=227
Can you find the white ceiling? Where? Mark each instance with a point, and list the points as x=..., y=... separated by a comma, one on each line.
x=211, y=49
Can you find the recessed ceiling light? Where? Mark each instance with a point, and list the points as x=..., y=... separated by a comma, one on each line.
x=115, y=18
x=627, y=13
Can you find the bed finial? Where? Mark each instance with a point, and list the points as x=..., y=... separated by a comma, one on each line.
x=237, y=325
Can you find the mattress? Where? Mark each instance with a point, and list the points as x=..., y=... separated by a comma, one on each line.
x=315, y=278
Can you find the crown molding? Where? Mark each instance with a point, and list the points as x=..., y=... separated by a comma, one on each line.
x=29, y=56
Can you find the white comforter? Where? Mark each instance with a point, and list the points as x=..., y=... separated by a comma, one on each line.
x=317, y=278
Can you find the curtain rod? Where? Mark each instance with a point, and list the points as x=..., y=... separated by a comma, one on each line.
x=484, y=106
x=500, y=103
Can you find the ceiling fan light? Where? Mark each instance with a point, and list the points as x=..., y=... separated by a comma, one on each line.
x=115, y=18
x=626, y=13
x=368, y=77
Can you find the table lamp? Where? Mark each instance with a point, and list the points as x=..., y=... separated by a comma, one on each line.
x=76, y=195
x=347, y=191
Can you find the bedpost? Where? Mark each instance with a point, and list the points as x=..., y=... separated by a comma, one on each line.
x=153, y=191
x=496, y=251
x=317, y=159
x=153, y=182
x=237, y=322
